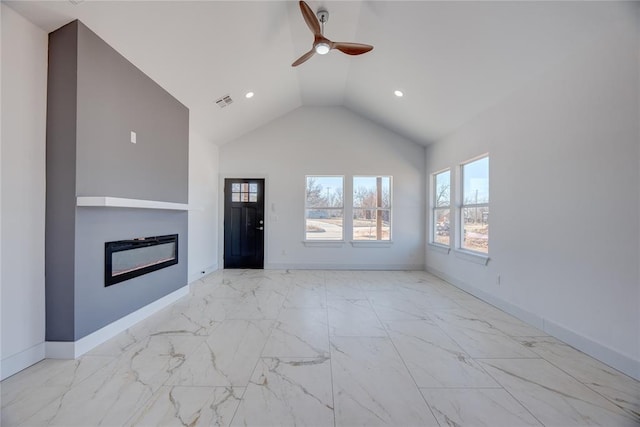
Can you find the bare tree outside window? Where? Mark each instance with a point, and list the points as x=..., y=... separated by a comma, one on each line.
x=324, y=208
x=372, y=208
x=441, y=202
x=474, y=212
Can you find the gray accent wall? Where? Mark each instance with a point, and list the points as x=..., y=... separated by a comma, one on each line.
x=61, y=183
x=115, y=98
x=97, y=305
x=95, y=99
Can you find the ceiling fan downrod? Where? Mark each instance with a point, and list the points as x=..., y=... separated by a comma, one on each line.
x=323, y=17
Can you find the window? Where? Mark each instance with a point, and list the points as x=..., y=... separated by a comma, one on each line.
x=372, y=208
x=441, y=207
x=244, y=192
x=324, y=208
x=474, y=212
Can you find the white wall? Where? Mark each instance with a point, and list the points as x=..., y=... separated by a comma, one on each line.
x=638, y=181
x=565, y=188
x=329, y=141
x=203, y=206
x=24, y=79
x=1, y=353
x=638, y=105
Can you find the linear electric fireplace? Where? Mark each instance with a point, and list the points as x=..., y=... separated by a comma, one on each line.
x=126, y=259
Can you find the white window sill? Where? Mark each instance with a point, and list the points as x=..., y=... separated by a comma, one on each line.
x=371, y=243
x=439, y=248
x=323, y=243
x=474, y=257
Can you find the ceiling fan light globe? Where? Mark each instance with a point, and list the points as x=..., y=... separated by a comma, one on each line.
x=322, y=48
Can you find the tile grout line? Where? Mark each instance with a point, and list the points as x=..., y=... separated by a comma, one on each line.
x=326, y=308
x=405, y=364
x=260, y=357
x=230, y=387
x=481, y=367
x=163, y=384
x=514, y=397
x=245, y=388
x=635, y=418
x=485, y=371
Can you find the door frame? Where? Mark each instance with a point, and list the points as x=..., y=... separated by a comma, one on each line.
x=267, y=213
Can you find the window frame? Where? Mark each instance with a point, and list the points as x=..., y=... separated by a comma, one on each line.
x=435, y=207
x=461, y=206
x=307, y=208
x=363, y=242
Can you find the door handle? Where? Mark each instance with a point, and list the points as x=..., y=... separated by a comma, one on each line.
x=259, y=228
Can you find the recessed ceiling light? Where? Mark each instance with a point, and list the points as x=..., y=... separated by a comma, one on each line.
x=249, y=95
x=398, y=93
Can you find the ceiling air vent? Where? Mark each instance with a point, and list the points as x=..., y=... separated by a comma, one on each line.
x=224, y=101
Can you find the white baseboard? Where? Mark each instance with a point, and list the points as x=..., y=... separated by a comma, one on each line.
x=200, y=274
x=17, y=362
x=609, y=356
x=522, y=314
x=75, y=349
x=395, y=267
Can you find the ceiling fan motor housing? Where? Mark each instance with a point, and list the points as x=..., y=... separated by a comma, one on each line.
x=323, y=16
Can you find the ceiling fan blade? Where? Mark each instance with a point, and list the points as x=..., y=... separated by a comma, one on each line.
x=310, y=19
x=303, y=58
x=351, y=48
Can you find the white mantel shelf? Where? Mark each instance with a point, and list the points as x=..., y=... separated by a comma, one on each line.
x=118, y=202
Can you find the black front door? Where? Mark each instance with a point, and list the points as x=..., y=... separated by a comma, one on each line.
x=244, y=223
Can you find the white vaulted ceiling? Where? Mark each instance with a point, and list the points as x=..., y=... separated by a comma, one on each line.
x=452, y=60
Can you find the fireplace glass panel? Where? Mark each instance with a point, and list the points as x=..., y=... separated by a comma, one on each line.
x=135, y=259
x=126, y=259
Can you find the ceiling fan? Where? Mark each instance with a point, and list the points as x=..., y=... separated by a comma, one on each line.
x=321, y=44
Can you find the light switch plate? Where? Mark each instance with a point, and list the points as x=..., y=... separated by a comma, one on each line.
x=133, y=137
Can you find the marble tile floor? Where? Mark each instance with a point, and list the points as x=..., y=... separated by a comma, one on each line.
x=324, y=348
